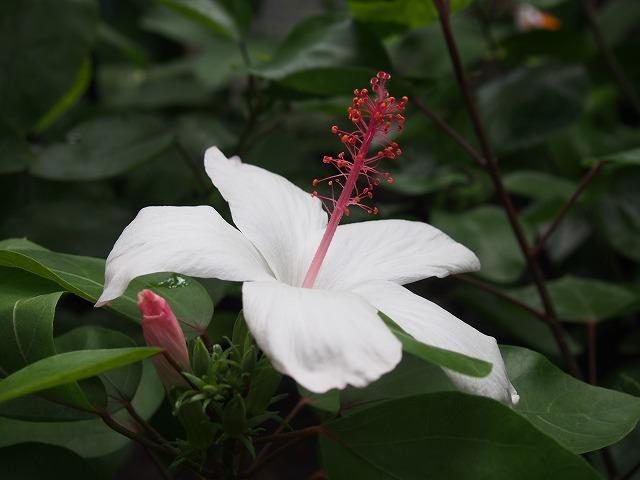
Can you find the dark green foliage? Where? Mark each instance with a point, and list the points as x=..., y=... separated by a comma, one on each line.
x=107, y=107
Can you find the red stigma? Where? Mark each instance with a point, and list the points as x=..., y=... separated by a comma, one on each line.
x=374, y=116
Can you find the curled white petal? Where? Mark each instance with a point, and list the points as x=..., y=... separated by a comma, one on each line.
x=323, y=339
x=428, y=323
x=400, y=251
x=193, y=241
x=282, y=220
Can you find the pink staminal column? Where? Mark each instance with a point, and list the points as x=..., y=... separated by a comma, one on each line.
x=374, y=118
x=161, y=329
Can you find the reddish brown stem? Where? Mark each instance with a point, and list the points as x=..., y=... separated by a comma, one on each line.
x=445, y=127
x=500, y=294
x=207, y=341
x=178, y=369
x=122, y=430
x=496, y=177
x=143, y=423
x=304, y=432
x=566, y=207
x=292, y=414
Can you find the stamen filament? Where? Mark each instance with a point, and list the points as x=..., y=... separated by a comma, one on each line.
x=373, y=119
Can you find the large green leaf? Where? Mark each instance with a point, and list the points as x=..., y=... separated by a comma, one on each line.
x=328, y=54
x=88, y=438
x=579, y=416
x=618, y=216
x=626, y=157
x=33, y=74
x=121, y=383
x=528, y=105
x=68, y=367
x=583, y=299
x=410, y=13
x=486, y=231
x=438, y=356
x=445, y=435
x=212, y=14
x=539, y=185
x=84, y=276
x=27, y=330
x=103, y=148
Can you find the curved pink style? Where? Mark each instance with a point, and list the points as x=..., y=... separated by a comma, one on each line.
x=161, y=329
x=374, y=118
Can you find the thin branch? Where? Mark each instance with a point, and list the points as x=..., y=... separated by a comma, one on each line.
x=304, y=432
x=445, y=127
x=207, y=341
x=566, y=207
x=292, y=414
x=122, y=430
x=500, y=294
x=494, y=172
x=178, y=369
x=610, y=59
x=261, y=462
x=143, y=423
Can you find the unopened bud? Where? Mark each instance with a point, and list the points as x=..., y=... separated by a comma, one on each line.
x=161, y=329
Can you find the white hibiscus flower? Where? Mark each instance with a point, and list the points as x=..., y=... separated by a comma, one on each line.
x=328, y=336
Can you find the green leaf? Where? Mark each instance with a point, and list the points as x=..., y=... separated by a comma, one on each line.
x=539, y=185
x=329, y=54
x=528, y=105
x=409, y=13
x=121, y=383
x=80, y=85
x=579, y=416
x=445, y=435
x=34, y=75
x=510, y=321
x=582, y=299
x=626, y=157
x=209, y=13
x=103, y=148
x=88, y=438
x=264, y=384
x=27, y=328
x=68, y=367
x=457, y=362
x=84, y=276
x=486, y=231
x=619, y=219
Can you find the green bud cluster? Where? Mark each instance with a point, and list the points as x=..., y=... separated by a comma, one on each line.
x=229, y=393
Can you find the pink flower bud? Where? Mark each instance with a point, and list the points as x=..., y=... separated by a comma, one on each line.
x=161, y=329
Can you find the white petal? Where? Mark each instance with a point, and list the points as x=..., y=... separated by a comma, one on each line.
x=194, y=241
x=323, y=339
x=433, y=325
x=281, y=220
x=399, y=251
